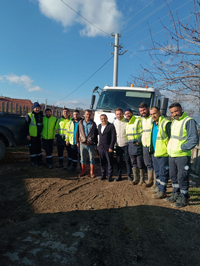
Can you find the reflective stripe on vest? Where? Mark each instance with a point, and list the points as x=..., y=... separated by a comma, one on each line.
x=162, y=138
x=178, y=137
x=132, y=129
x=32, y=125
x=146, y=130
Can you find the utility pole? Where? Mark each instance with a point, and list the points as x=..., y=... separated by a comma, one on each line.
x=117, y=47
x=45, y=104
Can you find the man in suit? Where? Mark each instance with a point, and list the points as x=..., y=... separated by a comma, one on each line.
x=107, y=139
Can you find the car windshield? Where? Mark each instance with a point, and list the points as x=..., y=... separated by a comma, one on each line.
x=112, y=99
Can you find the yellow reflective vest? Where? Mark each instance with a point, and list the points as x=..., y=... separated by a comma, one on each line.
x=146, y=130
x=162, y=138
x=32, y=125
x=134, y=128
x=61, y=126
x=69, y=136
x=48, y=131
x=178, y=137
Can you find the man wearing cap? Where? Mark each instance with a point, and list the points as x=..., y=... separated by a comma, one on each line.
x=48, y=135
x=184, y=137
x=134, y=133
x=61, y=133
x=33, y=127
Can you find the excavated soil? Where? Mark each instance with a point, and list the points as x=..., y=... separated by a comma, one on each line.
x=52, y=217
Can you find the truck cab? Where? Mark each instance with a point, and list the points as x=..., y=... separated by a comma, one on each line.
x=111, y=98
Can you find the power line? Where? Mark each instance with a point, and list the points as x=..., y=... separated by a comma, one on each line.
x=156, y=22
x=161, y=30
x=137, y=56
x=147, y=16
x=87, y=79
x=138, y=11
x=84, y=18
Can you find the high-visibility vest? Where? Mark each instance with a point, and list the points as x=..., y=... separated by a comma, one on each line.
x=48, y=131
x=61, y=126
x=146, y=130
x=134, y=128
x=162, y=138
x=32, y=125
x=69, y=137
x=178, y=137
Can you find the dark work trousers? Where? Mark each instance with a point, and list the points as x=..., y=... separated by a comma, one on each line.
x=60, y=149
x=161, y=169
x=35, y=149
x=48, y=147
x=179, y=168
x=137, y=161
x=120, y=151
x=105, y=156
x=75, y=152
x=147, y=158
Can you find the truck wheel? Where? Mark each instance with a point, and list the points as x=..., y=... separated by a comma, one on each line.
x=2, y=149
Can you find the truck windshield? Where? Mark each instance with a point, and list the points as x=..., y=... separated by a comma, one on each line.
x=112, y=99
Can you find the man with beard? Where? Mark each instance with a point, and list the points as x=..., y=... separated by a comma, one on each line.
x=184, y=137
x=33, y=127
x=146, y=127
x=48, y=135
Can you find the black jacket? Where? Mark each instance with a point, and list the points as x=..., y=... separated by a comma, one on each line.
x=108, y=138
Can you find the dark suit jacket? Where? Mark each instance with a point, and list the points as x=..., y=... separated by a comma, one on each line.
x=108, y=138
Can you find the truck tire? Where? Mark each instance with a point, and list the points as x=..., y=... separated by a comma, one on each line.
x=2, y=149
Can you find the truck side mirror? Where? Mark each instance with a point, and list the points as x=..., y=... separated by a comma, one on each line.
x=92, y=101
x=164, y=105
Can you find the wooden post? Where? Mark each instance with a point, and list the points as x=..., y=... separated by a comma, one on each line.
x=2, y=107
x=20, y=110
x=16, y=108
x=23, y=110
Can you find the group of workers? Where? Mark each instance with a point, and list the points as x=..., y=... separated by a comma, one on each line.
x=150, y=141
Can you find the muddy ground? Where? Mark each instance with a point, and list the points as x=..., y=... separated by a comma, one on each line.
x=52, y=217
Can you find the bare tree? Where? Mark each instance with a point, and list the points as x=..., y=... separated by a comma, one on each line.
x=176, y=62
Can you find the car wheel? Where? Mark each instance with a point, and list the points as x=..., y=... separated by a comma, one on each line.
x=2, y=149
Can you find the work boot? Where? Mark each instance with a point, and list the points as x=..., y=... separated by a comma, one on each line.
x=181, y=202
x=154, y=189
x=50, y=166
x=160, y=195
x=92, y=171
x=83, y=172
x=110, y=178
x=59, y=165
x=150, y=178
x=102, y=177
x=142, y=178
x=118, y=178
x=130, y=178
x=136, y=177
x=173, y=197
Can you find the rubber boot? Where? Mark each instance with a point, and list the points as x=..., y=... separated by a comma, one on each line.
x=150, y=178
x=135, y=176
x=154, y=183
x=142, y=178
x=92, y=171
x=83, y=172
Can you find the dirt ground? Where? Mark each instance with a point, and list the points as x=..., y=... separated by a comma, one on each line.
x=52, y=217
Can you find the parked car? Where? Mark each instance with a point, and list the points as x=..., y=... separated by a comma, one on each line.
x=12, y=132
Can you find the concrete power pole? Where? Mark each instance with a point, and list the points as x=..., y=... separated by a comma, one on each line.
x=117, y=47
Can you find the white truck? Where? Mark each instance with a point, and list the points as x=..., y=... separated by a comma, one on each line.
x=111, y=98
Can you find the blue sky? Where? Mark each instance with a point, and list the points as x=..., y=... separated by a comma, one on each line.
x=47, y=51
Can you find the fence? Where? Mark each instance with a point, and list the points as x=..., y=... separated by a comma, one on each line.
x=10, y=108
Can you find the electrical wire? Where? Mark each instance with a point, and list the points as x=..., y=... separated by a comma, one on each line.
x=156, y=22
x=84, y=18
x=147, y=16
x=161, y=31
x=87, y=79
x=138, y=12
